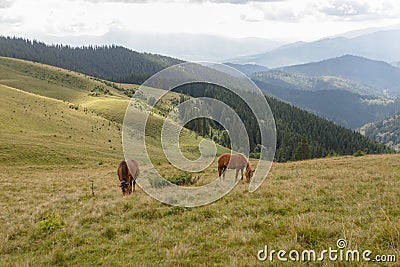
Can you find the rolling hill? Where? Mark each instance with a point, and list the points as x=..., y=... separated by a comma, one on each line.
x=42, y=130
x=108, y=100
x=378, y=45
x=66, y=86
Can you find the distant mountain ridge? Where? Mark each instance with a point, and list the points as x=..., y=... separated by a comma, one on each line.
x=379, y=45
x=343, y=107
x=301, y=81
x=338, y=89
x=247, y=69
x=374, y=73
x=186, y=46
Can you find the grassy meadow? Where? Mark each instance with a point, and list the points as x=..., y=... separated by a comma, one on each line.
x=57, y=138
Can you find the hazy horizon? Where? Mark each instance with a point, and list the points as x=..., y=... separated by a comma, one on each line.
x=194, y=29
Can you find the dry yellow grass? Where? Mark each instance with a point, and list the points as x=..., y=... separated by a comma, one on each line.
x=302, y=205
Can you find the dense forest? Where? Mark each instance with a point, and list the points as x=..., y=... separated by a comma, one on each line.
x=300, y=135
x=114, y=63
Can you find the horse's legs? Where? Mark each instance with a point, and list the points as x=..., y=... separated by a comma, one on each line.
x=221, y=172
x=237, y=172
x=242, y=173
x=130, y=178
x=134, y=184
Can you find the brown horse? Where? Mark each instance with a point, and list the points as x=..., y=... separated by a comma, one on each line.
x=128, y=171
x=234, y=161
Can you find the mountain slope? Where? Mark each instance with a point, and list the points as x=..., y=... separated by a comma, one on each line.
x=344, y=108
x=292, y=124
x=295, y=127
x=377, y=74
x=105, y=98
x=107, y=62
x=80, y=117
x=380, y=45
x=301, y=81
x=386, y=131
x=42, y=130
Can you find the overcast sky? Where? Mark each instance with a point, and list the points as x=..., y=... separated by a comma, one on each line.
x=288, y=20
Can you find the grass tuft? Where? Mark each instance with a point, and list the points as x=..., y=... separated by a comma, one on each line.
x=50, y=223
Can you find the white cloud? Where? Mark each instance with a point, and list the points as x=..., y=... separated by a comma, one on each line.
x=183, y=1
x=359, y=9
x=288, y=20
x=6, y=3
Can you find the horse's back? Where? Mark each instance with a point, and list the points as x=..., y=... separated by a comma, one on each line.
x=128, y=167
x=133, y=167
x=234, y=161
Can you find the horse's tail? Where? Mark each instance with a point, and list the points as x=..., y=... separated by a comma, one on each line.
x=136, y=174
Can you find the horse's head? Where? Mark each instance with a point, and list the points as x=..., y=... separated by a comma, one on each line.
x=249, y=173
x=125, y=187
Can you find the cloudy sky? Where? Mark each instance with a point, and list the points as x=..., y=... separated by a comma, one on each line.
x=284, y=20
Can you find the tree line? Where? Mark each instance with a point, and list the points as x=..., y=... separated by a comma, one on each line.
x=109, y=62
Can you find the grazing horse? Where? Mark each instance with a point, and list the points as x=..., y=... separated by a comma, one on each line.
x=234, y=161
x=128, y=171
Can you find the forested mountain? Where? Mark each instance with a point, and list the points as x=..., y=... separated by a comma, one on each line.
x=300, y=135
x=343, y=107
x=113, y=63
x=378, y=74
x=386, y=131
x=301, y=81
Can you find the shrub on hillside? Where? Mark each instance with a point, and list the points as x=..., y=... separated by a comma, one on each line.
x=359, y=153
